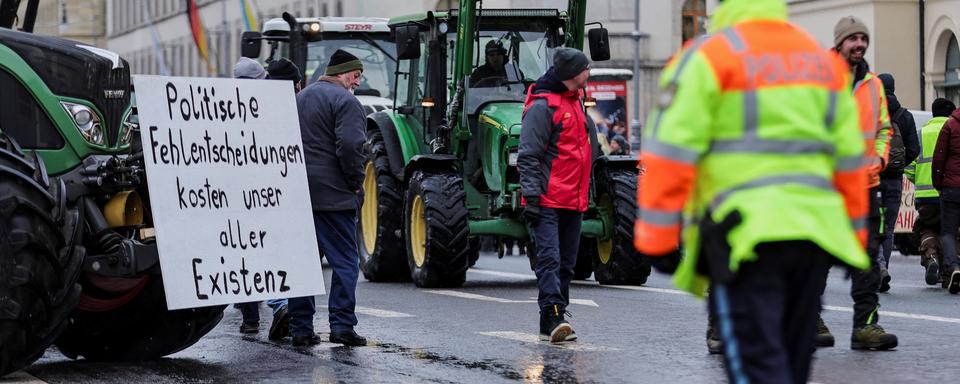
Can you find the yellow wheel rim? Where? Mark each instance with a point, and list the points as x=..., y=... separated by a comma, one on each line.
x=418, y=232
x=368, y=212
x=605, y=247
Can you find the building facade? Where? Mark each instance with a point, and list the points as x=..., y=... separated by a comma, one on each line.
x=916, y=41
x=80, y=20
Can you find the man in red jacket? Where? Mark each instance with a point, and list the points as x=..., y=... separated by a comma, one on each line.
x=946, y=179
x=554, y=161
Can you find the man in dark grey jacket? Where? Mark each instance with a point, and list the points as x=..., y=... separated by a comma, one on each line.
x=333, y=126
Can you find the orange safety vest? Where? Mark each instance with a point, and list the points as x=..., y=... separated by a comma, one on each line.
x=874, y=119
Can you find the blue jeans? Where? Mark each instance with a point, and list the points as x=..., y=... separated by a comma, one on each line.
x=949, y=223
x=891, y=190
x=556, y=236
x=337, y=238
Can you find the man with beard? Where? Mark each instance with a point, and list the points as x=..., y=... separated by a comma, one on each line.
x=851, y=40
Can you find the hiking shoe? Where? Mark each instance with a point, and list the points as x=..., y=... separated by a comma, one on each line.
x=884, y=280
x=280, y=327
x=714, y=344
x=824, y=338
x=303, y=341
x=348, y=337
x=872, y=337
x=553, y=327
x=954, y=286
x=249, y=328
x=932, y=276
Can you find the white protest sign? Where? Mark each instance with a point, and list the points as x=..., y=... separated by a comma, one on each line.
x=228, y=190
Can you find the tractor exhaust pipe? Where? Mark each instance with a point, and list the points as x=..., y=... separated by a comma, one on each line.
x=30, y=18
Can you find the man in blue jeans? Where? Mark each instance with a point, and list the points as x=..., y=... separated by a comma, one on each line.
x=333, y=128
x=946, y=179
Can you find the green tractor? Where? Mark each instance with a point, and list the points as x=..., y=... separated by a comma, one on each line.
x=442, y=163
x=78, y=259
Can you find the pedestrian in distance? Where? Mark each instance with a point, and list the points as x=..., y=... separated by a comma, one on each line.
x=926, y=197
x=557, y=141
x=247, y=68
x=851, y=38
x=904, y=149
x=333, y=128
x=946, y=179
x=758, y=165
x=282, y=70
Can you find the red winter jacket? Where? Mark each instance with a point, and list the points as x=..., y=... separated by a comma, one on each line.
x=555, y=154
x=946, y=156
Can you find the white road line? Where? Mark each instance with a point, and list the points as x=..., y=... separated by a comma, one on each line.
x=633, y=288
x=502, y=274
x=900, y=315
x=382, y=313
x=21, y=377
x=587, y=302
x=535, y=339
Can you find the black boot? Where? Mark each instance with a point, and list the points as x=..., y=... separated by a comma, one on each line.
x=553, y=326
x=347, y=337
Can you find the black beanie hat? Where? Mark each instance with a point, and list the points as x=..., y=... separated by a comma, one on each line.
x=569, y=62
x=942, y=107
x=284, y=69
x=342, y=62
x=888, y=83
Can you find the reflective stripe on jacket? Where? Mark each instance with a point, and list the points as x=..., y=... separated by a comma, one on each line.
x=758, y=118
x=874, y=118
x=921, y=170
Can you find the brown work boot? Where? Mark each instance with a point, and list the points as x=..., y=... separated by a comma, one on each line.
x=824, y=337
x=954, y=285
x=872, y=337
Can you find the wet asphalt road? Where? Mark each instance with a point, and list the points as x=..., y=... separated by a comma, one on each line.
x=485, y=332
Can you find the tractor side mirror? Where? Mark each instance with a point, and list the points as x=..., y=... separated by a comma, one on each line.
x=408, y=42
x=599, y=44
x=250, y=44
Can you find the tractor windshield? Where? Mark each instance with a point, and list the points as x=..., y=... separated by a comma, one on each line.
x=378, y=57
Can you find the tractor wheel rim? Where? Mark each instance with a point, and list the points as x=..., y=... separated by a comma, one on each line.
x=418, y=232
x=605, y=247
x=368, y=216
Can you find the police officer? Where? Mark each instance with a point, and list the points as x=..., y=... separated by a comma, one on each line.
x=555, y=155
x=759, y=154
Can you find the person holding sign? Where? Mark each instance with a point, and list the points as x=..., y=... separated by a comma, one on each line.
x=247, y=68
x=332, y=125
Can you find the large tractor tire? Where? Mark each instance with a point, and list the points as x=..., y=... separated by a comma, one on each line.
x=617, y=261
x=437, y=230
x=121, y=319
x=38, y=273
x=381, y=259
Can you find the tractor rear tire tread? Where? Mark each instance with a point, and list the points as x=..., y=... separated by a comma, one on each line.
x=387, y=261
x=625, y=266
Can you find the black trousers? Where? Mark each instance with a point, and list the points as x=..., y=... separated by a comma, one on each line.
x=766, y=315
x=863, y=289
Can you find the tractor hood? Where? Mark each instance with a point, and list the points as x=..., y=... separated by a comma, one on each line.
x=504, y=116
x=72, y=69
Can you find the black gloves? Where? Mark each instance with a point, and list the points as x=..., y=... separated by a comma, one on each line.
x=667, y=263
x=531, y=211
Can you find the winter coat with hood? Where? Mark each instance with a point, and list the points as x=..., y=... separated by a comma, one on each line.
x=557, y=146
x=946, y=155
x=906, y=124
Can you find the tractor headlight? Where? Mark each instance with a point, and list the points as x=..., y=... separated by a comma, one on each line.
x=87, y=122
x=512, y=157
x=129, y=127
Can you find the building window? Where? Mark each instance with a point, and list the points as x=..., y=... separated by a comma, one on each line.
x=694, y=18
x=951, y=83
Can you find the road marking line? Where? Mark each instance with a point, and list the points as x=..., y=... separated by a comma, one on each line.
x=900, y=315
x=587, y=302
x=21, y=377
x=474, y=296
x=383, y=313
x=502, y=274
x=535, y=339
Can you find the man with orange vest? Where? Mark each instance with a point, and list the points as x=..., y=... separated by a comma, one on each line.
x=755, y=155
x=851, y=39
